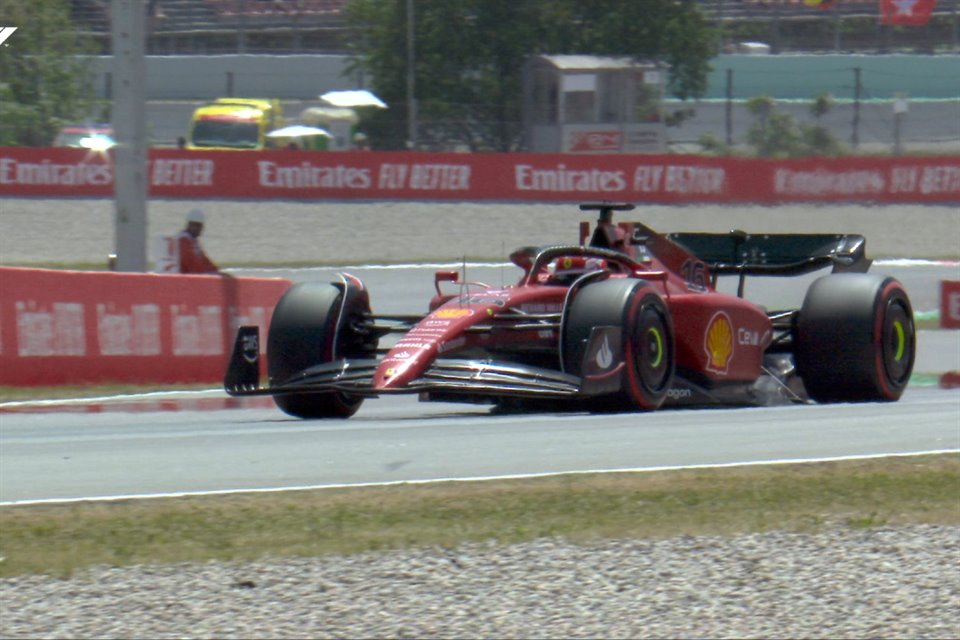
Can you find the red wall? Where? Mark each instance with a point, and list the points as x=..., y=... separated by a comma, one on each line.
x=950, y=304
x=677, y=179
x=75, y=327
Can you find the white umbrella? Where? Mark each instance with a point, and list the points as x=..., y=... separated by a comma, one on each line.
x=354, y=98
x=298, y=131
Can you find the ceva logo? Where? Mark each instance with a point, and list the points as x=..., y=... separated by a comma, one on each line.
x=5, y=33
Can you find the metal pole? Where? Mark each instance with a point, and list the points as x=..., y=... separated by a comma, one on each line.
x=855, y=134
x=956, y=25
x=775, y=29
x=411, y=81
x=718, y=14
x=897, y=141
x=129, y=124
x=837, y=20
x=242, y=31
x=899, y=110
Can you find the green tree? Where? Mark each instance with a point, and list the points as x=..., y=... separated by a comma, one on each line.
x=43, y=83
x=779, y=135
x=817, y=138
x=470, y=54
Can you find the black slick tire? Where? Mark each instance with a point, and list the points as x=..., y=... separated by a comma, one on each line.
x=307, y=329
x=855, y=339
x=647, y=339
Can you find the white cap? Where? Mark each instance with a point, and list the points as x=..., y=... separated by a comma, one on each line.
x=196, y=215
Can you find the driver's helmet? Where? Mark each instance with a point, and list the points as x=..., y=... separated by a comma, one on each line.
x=566, y=269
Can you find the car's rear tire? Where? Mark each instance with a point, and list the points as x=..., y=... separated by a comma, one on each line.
x=647, y=344
x=855, y=339
x=303, y=333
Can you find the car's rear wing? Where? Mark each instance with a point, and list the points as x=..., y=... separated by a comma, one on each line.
x=737, y=252
x=743, y=254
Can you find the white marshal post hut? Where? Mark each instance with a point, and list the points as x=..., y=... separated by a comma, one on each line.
x=593, y=104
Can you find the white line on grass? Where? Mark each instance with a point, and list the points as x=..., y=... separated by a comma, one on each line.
x=519, y=476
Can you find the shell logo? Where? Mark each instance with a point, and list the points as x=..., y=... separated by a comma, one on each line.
x=453, y=313
x=718, y=343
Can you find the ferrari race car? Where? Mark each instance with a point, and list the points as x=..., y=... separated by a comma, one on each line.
x=636, y=327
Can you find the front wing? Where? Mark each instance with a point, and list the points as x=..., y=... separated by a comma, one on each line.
x=450, y=376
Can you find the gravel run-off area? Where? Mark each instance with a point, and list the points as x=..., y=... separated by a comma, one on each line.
x=73, y=231
x=890, y=582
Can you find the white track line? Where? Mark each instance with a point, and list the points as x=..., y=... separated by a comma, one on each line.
x=521, y=476
x=911, y=262
x=149, y=395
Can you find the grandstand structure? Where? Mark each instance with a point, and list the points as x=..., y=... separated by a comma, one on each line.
x=319, y=26
x=227, y=26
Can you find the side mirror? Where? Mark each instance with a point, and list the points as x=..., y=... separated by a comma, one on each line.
x=445, y=276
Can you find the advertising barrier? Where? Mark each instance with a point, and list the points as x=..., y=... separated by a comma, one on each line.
x=309, y=175
x=950, y=319
x=77, y=327
x=950, y=304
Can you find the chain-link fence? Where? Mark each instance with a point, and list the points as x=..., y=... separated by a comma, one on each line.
x=830, y=26
x=873, y=127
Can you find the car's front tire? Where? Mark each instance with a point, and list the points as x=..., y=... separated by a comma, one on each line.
x=308, y=329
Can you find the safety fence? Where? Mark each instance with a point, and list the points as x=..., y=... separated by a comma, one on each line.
x=668, y=179
x=78, y=327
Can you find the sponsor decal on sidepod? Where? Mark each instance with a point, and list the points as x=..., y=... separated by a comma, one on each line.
x=718, y=343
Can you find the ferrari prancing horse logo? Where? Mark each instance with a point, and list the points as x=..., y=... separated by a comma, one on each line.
x=250, y=347
x=604, y=357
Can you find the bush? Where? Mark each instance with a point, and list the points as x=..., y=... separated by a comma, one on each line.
x=780, y=135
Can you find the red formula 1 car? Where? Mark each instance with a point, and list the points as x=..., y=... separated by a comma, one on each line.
x=601, y=329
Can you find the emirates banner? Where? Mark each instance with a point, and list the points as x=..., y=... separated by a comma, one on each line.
x=306, y=175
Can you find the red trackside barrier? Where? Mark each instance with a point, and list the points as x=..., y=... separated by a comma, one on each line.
x=950, y=304
x=76, y=327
